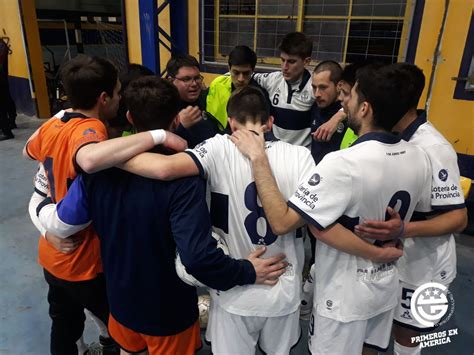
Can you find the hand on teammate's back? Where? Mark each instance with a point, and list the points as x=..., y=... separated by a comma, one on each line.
x=267, y=270
x=382, y=230
x=189, y=116
x=250, y=143
x=64, y=245
x=175, y=142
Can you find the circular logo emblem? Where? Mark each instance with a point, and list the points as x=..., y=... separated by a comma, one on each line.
x=340, y=127
x=314, y=180
x=304, y=96
x=429, y=304
x=329, y=303
x=443, y=175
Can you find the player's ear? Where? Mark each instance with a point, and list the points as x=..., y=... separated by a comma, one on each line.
x=307, y=61
x=174, y=124
x=103, y=98
x=232, y=124
x=129, y=117
x=364, y=108
x=269, y=124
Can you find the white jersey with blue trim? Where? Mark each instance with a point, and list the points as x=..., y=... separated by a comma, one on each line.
x=238, y=218
x=433, y=259
x=350, y=186
x=291, y=105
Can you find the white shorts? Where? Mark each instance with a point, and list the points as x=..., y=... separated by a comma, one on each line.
x=233, y=334
x=403, y=316
x=329, y=336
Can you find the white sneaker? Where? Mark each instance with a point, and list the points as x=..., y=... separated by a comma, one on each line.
x=204, y=302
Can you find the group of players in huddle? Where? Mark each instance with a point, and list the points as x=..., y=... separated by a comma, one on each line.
x=344, y=152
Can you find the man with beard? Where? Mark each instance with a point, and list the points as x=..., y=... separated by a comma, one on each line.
x=350, y=185
x=327, y=128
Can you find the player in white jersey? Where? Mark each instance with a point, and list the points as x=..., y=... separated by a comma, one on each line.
x=290, y=91
x=429, y=245
x=355, y=295
x=241, y=317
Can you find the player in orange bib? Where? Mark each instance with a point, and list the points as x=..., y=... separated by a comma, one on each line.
x=72, y=266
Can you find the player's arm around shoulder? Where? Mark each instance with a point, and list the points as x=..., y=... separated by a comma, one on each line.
x=161, y=167
x=108, y=153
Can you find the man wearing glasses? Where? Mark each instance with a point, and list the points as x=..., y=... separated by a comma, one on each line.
x=196, y=125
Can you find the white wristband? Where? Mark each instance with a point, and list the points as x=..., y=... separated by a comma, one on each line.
x=158, y=135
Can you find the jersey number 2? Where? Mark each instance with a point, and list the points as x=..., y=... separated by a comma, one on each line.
x=404, y=198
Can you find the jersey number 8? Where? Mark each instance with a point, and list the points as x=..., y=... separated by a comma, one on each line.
x=255, y=218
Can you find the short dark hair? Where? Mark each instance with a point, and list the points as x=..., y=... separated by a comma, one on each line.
x=332, y=67
x=350, y=70
x=296, y=43
x=129, y=74
x=416, y=84
x=248, y=104
x=178, y=61
x=153, y=102
x=242, y=55
x=133, y=72
x=84, y=78
x=384, y=89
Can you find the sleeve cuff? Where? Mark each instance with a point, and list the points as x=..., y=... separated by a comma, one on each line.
x=197, y=162
x=449, y=207
x=250, y=274
x=305, y=216
x=43, y=203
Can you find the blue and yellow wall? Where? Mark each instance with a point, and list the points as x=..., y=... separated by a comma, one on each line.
x=437, y=43
x=438, y=32
x=454, y=117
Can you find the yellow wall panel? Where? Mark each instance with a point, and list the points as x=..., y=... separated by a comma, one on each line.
x=133, y=31
x=453, y=117
x=209, y=77
x=193, y=28
x=10, y=21
x=430, y=27
x=35, y=56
